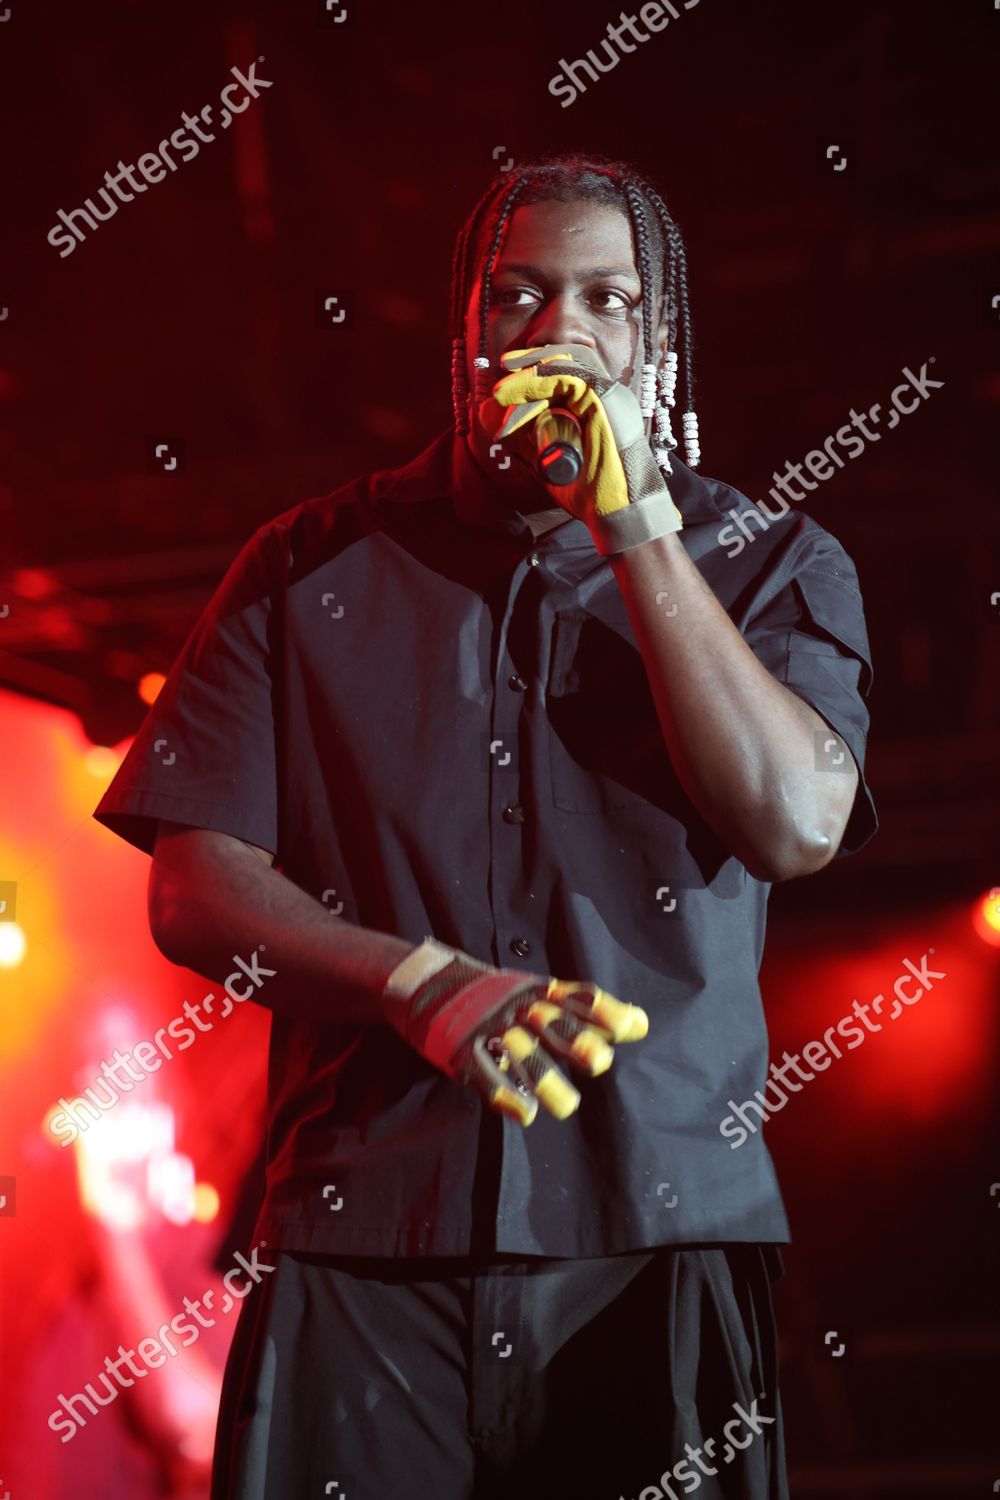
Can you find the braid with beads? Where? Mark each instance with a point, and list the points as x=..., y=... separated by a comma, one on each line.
x=679, y=261
x=633, y=197
x=566, y=179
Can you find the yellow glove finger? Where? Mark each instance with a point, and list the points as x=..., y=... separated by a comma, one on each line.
x=583, y=1045
x=534, y=1065
x=493, y=1082
x=577, y=354
x=523, y=359
x=504, y=419
x=524, y=386
x=512, y=405
x=622, y=1022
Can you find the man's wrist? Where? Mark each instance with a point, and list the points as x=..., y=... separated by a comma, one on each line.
x=631, y=525
x=423, y=961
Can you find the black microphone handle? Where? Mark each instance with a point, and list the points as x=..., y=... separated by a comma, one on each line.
x=559, y=441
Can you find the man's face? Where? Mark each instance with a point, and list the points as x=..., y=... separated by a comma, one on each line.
x=566, y=274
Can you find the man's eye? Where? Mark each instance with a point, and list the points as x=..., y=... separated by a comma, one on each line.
x=503, y=298
x=623, y=300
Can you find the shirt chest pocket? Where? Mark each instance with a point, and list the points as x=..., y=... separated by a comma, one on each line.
x=606, y=749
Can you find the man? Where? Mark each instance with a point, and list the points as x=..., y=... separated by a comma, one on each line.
x=443, y=735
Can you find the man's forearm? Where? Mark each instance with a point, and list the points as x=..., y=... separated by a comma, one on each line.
x=233, y=904
x=742, y=743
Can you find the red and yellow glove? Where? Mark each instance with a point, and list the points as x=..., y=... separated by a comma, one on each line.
x=456, y=1012
x=619, y=471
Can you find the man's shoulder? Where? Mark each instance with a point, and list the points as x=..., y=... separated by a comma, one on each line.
x=699, y=498
x=357, y=507
x=764, y=535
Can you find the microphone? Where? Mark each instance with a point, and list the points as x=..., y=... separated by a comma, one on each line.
x=559, y=441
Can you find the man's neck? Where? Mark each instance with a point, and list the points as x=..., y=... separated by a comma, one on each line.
x=527, y=497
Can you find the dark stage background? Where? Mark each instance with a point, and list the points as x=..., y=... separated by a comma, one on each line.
x=836, y=175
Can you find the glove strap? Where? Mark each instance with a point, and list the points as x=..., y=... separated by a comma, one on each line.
x=422, y=962
x=422, y=990
x=642, y=521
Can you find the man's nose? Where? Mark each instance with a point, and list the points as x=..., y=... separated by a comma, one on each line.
x=558, y=321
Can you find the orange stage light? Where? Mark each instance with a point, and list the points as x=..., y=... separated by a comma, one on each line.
x=986, y=917
x=149, y=686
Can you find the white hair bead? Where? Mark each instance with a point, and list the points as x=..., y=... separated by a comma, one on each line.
x=647, y=397
x=668, y=377
x=692, y=447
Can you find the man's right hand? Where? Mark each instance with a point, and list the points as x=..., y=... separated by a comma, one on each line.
x=497, y=1028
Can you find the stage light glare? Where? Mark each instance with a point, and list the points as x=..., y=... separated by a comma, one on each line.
x=986, y=917
x=206, y=1203
x=101, y=762
x=12, y=945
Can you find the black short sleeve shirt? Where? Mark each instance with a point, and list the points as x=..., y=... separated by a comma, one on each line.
x=440, y=724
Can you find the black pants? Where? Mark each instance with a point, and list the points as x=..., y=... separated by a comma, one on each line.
x=369, y=1379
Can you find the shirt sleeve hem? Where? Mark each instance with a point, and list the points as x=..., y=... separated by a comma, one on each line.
x=135, y=818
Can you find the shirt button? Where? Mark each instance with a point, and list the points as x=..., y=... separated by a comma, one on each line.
x=516, y=682
x=533, y=559
x=513, y=813
x=520, y=946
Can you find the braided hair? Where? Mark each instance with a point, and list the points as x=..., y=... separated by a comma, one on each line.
x=659, y=252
